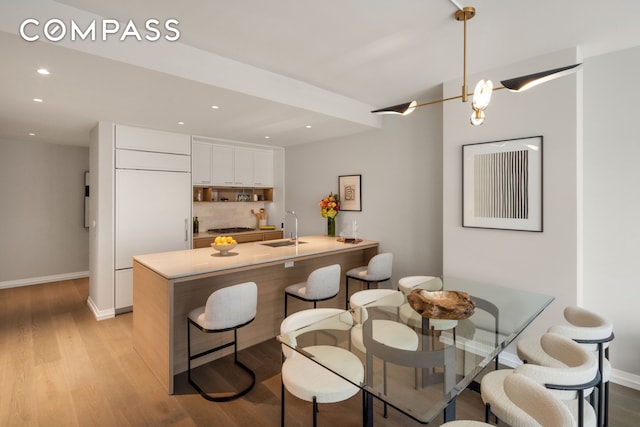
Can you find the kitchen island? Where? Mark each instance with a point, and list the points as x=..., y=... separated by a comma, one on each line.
x=168, y=285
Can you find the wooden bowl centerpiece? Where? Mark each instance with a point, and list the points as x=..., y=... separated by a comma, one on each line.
x=453, y=305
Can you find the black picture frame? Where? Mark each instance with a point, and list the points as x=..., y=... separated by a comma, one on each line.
x=350, y=192
x=502, y=184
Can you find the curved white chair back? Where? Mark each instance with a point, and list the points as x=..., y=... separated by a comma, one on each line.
x=584, y=325
x=580, y=367
x=230, y=306
x=309, y=320
x=539, y=403
x=323, y=282
x=380, y=266
x=372, y=298
x=429, y=283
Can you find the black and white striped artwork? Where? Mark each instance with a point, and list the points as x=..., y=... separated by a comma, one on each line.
x=502, y=184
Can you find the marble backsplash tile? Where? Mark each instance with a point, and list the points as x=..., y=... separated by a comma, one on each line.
x=226, y=214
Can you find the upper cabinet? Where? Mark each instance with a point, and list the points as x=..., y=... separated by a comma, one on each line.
x=201, y=163
x=222, y=165
x=230, y=166
x=133, y=138
x=263, y=168
x=243, y=167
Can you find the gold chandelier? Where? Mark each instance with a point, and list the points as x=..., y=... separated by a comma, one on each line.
x=484, y=88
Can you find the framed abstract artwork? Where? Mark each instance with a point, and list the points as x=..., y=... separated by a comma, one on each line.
x=502, y=184
x=350, y=192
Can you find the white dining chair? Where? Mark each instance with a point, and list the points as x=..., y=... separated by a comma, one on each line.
x=569, y=383
x=387, y=331
x=594, y=332
x=306, y=379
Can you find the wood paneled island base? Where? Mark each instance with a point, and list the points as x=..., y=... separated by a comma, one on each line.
x=167, y=286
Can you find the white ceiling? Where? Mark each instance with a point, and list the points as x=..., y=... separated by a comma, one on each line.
x=273, y=66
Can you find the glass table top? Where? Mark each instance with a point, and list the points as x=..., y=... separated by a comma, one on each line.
x=415, y=364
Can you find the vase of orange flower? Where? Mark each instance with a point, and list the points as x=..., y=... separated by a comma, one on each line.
x=329, y=208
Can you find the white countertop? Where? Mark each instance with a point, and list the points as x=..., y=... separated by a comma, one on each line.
x=191, y=262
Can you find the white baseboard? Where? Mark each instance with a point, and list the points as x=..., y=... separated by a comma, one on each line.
x=509, y=359
x=43, y=279
x=100, y=314
x=625, y=379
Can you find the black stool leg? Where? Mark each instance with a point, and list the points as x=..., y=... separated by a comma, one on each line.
x=315, y=412
x=346, y=294
x=282, y=404
x=286, y=297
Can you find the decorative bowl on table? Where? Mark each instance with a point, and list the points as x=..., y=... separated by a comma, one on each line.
x=453, y=305
x=224, y=244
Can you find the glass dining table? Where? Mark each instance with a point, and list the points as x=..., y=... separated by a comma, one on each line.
x=418, y=365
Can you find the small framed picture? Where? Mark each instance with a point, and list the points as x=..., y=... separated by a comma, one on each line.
x=350, y=192
x=502, y=184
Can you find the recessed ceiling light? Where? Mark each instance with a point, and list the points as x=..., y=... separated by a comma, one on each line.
x=37, y=100
x=267, y=137
x=43, y=71
x=180, y=123
x=309, y=126
x=215, y=107
x=32, y=134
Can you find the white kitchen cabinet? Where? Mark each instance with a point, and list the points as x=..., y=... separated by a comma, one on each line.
x=222, y=165
x=243, y=166
x=133, y=138
x=231, y=166
x=263, y=168
x=201, y=153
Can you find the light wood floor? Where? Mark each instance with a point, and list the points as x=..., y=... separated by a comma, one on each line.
x=61, y=367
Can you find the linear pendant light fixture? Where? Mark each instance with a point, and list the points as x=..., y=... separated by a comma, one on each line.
x=483, y=89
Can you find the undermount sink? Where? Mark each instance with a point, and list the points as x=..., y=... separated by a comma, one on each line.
x=281, y=243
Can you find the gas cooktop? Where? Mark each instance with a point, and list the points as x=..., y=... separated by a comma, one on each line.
x=230, y=230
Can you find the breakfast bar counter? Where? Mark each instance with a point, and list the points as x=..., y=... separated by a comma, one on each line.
x=168, y=285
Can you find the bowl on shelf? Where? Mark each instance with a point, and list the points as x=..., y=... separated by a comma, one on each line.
x=223, y=249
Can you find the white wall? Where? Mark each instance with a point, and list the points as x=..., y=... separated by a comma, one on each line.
x=612, y=200
x=401, y=172
x=547, y=262
x=101, y=282
x=42, y=213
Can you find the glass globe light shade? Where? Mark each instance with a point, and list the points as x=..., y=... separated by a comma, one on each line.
x=482, y=95
x=477, y=117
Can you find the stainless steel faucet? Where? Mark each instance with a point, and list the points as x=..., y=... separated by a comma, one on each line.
x=296, y=217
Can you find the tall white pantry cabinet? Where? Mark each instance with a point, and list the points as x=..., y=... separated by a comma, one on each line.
x=152, y=200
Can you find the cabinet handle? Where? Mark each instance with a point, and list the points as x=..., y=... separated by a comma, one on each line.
x=186, y=229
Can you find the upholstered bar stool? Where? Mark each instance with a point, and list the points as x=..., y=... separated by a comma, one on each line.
x=378, y=270
x=321, y=285
x=226, y=309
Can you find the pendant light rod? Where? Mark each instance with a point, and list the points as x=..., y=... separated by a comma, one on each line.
x=464, y=15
